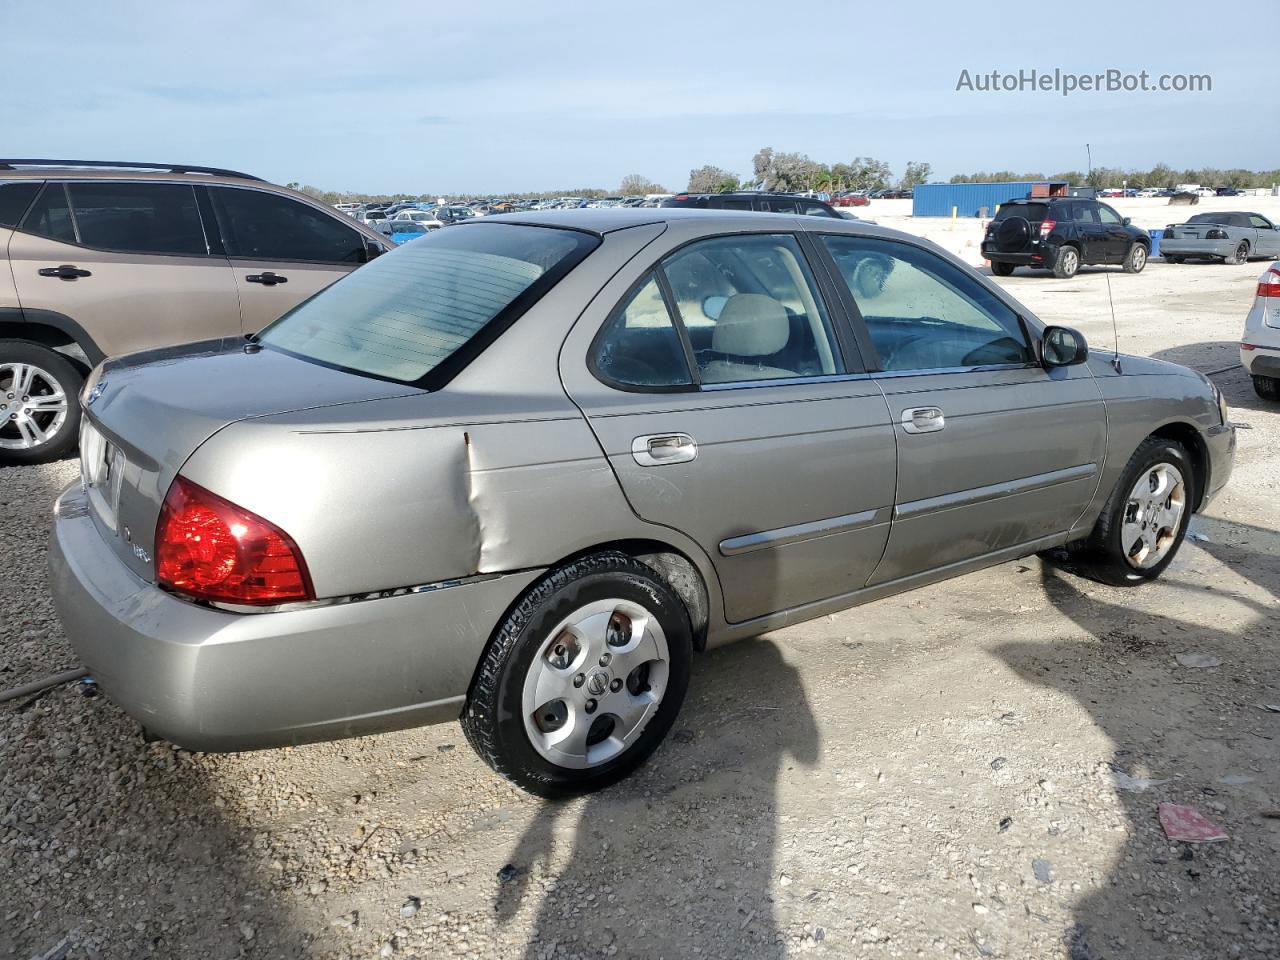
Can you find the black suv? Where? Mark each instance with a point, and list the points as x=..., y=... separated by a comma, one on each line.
x=765, y=202
x=1061, y=233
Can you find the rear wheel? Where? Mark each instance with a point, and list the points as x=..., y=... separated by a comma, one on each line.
x=1241, y=255
x=39, y=409
x=583, y=679
x=1066, y=263
x=1001, y=269
x=1136, y=259
x=1268, y=388
x=1145, y=519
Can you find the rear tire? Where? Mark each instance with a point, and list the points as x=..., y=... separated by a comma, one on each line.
x=1135, y=259
x=1268, y=388
x=1134, y=540
x=1066, y=263
x=1002, y=269
x=587, y=697
x=39, y=403
x=1241, y=255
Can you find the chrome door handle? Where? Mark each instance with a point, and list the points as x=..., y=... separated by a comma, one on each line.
x=660, y=449
x=923, y=420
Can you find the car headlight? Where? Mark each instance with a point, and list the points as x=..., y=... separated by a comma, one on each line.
x=1223, y=412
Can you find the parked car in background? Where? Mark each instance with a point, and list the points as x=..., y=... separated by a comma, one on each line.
x=1229, y=192
x=1232, y=237
x=759, y=202
x=661, y=378
x=850, y=200
x=1061, y=234
x=402, y=231
x=1260, y=345
x=99, y=259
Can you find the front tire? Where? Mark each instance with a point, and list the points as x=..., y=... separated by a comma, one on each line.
x=582, y=679
x=1145, y=519
x=1136, y=258
x=1066, y=263
x=1268, y=388
x=39, y=403
x=1002, y=269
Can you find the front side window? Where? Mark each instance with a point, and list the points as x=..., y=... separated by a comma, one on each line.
x=257, y=225
x=158, y=218
x=1261, y=222
x=924, y=313
x=638, y=345
x=50, y=215
x=15, y=197
x=419, y=314
x=1107, y=215
x=752, y=309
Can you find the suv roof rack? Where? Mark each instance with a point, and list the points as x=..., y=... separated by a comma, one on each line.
x=122, y=165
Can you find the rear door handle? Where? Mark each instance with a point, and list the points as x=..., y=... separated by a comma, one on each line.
x=923, y=420
x=65, y=272
x=266, y=277
x=660, y=449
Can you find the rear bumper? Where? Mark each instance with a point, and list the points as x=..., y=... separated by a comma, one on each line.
x=1261, y=361
x=1197, y=248
x=208, y=679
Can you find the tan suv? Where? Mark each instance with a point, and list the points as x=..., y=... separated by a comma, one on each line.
x=110, y=258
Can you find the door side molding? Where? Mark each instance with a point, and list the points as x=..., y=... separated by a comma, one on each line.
x=965, y=498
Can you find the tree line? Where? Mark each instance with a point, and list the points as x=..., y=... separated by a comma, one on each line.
x=1160, y=176
x=790, y=172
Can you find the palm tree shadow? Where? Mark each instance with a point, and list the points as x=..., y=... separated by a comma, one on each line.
x=680, y=858
x=1162, y=899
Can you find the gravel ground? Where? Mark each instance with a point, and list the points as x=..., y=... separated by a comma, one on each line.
x=938, y=775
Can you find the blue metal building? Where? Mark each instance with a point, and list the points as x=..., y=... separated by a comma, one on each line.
x=937, y=199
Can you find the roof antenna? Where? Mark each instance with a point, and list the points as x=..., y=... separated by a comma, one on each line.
x=1115, y=359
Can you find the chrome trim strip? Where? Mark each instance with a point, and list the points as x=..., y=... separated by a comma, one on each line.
x=782, y=536
x=351, y=598
x=965, y=498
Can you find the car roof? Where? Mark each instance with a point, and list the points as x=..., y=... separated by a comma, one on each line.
x=604, y=220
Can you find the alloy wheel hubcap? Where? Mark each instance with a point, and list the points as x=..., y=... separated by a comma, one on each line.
x=595, y=683
x=1153, y=516
x=1069, y=261
x=1139, y=257
x=33, y=406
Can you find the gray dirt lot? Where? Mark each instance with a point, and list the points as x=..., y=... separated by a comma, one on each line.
x=930, y=776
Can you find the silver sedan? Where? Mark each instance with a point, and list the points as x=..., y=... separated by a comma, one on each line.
x=517, y=472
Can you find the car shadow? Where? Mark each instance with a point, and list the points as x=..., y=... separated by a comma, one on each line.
x=1164, y=899
x=632, y=856
x=1221, y=360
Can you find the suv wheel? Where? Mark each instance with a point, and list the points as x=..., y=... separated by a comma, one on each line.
x=39, y=406
x=1136, y=259
x=1268, y=388
x=1241, y=254
x=1066, y=263
x=583, y=678
x=1001, y=269
x=1145, y=519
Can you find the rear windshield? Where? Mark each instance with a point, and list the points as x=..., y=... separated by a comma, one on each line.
x=1032, y=211
x=407, y=226
x=419, y=314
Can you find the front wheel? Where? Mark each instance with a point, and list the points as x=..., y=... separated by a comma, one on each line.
x=39, y=406
x=1268, y=388
x=1145, y=519
x=1002, y=269
x=1136, y=259
x=583, y=678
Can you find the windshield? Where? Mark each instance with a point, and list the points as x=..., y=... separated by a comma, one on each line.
x=408, y=226
x=419, y=314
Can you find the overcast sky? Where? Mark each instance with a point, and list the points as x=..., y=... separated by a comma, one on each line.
x=439, y=97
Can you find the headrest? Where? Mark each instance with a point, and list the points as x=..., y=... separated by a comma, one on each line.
x=751, y=325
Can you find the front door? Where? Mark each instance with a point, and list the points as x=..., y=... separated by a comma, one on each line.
x=733, y=410
x=281, y=250
x=993, y=450
x=128, y=262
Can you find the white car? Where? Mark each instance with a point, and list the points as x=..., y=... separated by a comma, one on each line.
x=1149, y=192
x=1260, y=345
x=420, y=216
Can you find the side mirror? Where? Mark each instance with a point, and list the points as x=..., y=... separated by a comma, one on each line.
x=1128, y=220
x=1063, y=347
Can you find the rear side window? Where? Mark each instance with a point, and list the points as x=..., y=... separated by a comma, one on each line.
x=15, y=197
x=811, y=209
x=777, y=204
x=158, y=218
x=639, y=345
x=418, y=315
x=257, y=225
x=50, y=215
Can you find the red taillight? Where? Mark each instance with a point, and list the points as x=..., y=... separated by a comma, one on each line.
x=1046, y=227
x=210, y=549
x=1269, y=285
x=1248, y=346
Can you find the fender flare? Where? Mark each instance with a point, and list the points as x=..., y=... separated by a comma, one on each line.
x=14, y=319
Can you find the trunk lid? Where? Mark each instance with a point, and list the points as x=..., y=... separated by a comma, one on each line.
x=146, y=413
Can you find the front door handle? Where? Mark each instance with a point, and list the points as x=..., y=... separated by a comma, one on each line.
x=65, y=272
x=266, y=277
x=660, y=449
x=923, y=420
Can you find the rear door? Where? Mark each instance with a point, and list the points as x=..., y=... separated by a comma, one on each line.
x=1093, y=238
x=993, y=450
x=733, y=410
x=281, y=249
x=128, y=261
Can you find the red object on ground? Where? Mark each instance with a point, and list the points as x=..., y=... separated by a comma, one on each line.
x=1186, y=823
